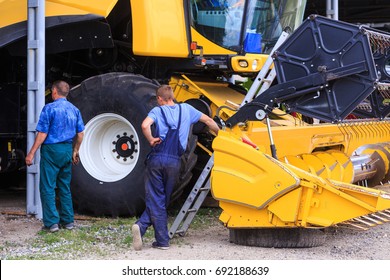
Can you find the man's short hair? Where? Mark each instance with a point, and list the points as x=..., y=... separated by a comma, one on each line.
x=165, y=92
x=62, y=88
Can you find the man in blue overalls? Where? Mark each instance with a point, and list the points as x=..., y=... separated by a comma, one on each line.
x=173, y=122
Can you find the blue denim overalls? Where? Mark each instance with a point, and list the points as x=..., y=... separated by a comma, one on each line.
x=162, y=170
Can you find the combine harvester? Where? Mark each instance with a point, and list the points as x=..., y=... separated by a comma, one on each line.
x=293, y=179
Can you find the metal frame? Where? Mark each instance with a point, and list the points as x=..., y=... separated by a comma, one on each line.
x=35, y=95
x=332, y=9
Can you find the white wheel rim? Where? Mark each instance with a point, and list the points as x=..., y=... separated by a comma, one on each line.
x=99, y=152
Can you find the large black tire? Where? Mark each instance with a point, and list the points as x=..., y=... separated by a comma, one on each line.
x=109, y=181
x=278, y=237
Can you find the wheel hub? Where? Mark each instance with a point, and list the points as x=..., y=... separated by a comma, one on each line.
x=125, y=146
x=110, y=149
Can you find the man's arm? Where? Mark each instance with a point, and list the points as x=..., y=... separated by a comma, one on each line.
x=147, y=131
x=210, y=123
x=39, y=139
x=76, y=147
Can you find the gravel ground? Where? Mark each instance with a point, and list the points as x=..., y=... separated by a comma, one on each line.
x=18, y=232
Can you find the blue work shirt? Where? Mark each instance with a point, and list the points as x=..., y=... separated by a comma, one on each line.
x=189, y=116
x=61, y=120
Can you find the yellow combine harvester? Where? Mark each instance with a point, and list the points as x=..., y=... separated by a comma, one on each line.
x=280, y=181
x=115, y=53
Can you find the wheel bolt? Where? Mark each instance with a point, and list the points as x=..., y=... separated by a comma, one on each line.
x=113, y=150
x=124, y=133
x=114, y=142
x=124, y=159
x=131, y=157
x=118, y=136
x=118, y=157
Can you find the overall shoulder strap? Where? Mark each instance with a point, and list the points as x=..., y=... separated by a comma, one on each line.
x=179, y=123
x=165, y=117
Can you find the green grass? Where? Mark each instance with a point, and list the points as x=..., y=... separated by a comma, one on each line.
x=101, y=238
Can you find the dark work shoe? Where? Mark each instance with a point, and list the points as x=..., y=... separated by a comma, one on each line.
x=137, y=238
x=69, y=226
x=156, y=246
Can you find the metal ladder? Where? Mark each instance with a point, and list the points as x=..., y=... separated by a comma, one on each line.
x=193, y=202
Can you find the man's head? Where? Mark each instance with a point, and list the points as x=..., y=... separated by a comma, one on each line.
x=59, y=89
x=164, y=94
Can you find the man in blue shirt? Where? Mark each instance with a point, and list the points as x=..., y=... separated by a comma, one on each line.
x=60, y=133
x=173, y=122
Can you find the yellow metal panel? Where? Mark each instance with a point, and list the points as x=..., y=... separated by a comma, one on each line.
x=159, y=28
x=305, y=139
x=242, y=177
x=259, y=59
x=287, y=207
x=219, y=93
x=244, y=217
x=328, y=139
x=253, y=191
x=14, y=11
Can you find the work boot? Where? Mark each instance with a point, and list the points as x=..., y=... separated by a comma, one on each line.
x=137, y=239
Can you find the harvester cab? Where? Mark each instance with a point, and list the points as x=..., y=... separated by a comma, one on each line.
x=326, y=174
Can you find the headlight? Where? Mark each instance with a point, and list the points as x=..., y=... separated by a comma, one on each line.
x=254, y=64
x=243, y=63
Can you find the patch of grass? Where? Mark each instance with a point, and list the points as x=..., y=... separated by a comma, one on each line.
x=98, y=239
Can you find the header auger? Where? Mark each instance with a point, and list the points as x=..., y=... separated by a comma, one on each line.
x=322, y=175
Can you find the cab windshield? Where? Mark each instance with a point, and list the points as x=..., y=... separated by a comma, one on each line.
x=246, y=25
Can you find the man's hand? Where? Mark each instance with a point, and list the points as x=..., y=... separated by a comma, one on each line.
x=75, y=158
x=29, y=159
x=155, y=141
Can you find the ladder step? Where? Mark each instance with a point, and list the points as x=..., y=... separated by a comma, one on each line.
x=194, y=200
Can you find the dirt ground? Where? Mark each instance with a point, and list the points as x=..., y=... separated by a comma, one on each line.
x=213, y=243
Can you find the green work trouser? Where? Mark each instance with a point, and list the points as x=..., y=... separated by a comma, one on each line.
x=56, y=172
